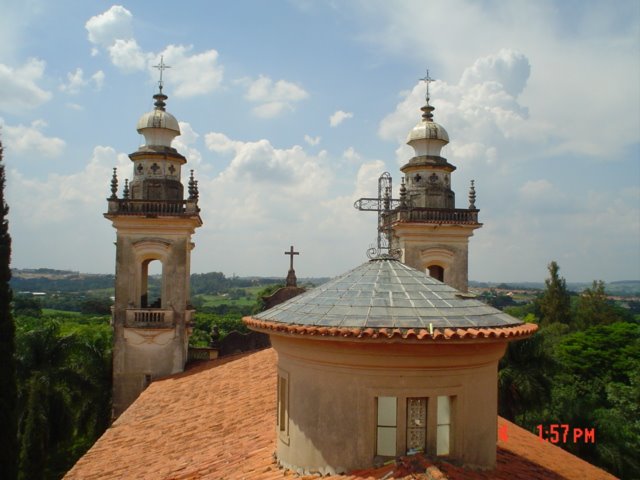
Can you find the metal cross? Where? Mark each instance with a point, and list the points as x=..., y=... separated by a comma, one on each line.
x=384, y=204
x=161, y=66
x=427, y=79
x=291, y=253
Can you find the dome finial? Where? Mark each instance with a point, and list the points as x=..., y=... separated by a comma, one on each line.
x=427, y=110
x=160, y=97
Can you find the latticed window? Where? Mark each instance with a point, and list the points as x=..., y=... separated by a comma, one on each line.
x=428, y=426
x=416, y=425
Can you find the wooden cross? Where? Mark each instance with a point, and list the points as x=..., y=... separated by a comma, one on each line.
x=291, y=253
x=383, y=205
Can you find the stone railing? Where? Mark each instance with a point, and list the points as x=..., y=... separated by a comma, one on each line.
x=153, y=207
x=435, y=215
x=202, y=354
x=149, y=318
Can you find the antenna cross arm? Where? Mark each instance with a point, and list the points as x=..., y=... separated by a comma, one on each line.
x=375, y=204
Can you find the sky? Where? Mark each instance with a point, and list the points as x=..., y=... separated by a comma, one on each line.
x=291, y=110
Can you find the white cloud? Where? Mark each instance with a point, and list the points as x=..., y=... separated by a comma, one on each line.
x=185, y=144
x=338, y=117
x=75, y=82
x=114, y=24
x=128, y=56
x=30, y=139
x=313, y=141
x=492, y=126
x=351, y=155
x=71, y=198
x=98, y=79
x=191, y=74
x=19, y=86
x=533, y=189
x=509, y=69
x=274, y=97
x=219, y=142
x=561, y=45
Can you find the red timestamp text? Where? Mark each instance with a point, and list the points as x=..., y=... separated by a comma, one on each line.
x=563, y=433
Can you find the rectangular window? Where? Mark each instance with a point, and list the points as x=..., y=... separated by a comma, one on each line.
x=443, y=437
x=416, y=425
x=283, y=406
x=387, y=409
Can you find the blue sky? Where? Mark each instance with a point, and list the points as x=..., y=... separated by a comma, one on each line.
x=290, y=110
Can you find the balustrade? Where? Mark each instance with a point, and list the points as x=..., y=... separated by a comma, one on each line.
x=149, y=318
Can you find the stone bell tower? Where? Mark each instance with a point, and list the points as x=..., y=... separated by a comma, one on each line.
x=431, y=232
x=154, y=223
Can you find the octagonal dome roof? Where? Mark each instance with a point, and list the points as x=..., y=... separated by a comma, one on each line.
x=387, y=294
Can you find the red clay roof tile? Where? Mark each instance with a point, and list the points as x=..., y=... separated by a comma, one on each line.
x=217, y=421
x=516, y=331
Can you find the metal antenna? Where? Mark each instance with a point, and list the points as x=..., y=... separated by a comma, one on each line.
x=384, y=205
x=427, y=79
x=161, y=66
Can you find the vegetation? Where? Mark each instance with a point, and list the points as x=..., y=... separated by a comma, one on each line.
x=582, y=369
x=8, y=388
x=64, y=390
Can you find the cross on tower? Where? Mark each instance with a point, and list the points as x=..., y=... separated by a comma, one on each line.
x=427, y=79
x=161, y=66
x=291, y=275
x=384, y=204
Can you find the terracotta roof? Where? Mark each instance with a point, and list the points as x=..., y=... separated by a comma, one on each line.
x=386, y=293
x=217, y=421
x=438, y=334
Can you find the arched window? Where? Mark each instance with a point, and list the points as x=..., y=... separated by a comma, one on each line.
x=151, y=284
x=437, y=272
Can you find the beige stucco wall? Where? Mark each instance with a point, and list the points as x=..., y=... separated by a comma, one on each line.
x=333, y=387
x=139, y=353
x=424, y=244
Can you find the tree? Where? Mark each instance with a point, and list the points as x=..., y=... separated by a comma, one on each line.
x=524, y=377
x=8, y=387
x=555, y=303
x=65, y=395
x=595, y=308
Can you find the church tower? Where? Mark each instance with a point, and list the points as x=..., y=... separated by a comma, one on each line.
x=154, y=223
x=431, y=232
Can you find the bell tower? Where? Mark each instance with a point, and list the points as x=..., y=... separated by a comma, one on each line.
x=431, y=232
x=154, y=225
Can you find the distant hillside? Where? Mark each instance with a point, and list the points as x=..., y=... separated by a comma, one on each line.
x=48, y=280
x=622, y=288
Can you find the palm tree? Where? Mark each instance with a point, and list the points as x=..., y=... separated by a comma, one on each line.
x=523, y=377
x=66, y=397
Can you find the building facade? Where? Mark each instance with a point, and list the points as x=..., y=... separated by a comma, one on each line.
x=154, y=223
x=432, y=234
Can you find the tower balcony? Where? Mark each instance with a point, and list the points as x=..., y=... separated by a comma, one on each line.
x=454, y=216
x=149, y=318
x=177, y=208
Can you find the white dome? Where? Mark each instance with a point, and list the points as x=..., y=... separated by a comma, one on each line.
x=428, y=130
x=158, y=119
x=158, y=127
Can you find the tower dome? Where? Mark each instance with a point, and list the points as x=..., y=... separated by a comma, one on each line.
x=158, y=126
x=427, y=137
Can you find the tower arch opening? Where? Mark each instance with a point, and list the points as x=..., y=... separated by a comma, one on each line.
x=436, y=271
x=151, y=283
